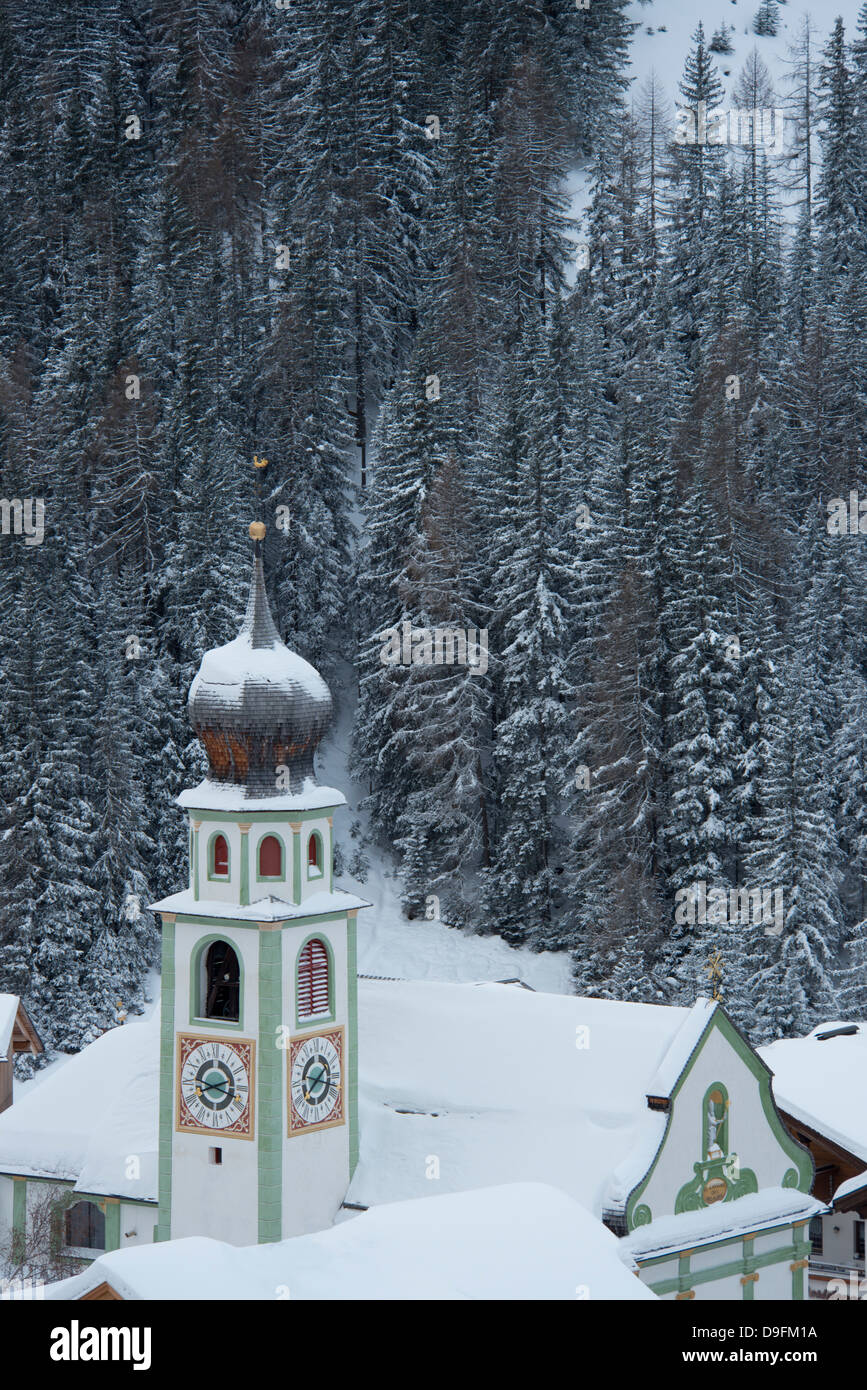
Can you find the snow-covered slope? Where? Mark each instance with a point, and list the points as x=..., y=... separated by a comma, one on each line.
x=390, y=945
x=673, y=23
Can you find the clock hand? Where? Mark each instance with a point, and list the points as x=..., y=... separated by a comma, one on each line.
x=213, y=1086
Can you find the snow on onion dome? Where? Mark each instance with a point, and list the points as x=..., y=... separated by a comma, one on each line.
x=257, y=708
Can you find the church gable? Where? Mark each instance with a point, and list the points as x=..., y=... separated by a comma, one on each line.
x=724, y=1138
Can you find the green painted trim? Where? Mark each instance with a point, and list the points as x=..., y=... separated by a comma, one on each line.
x=309, y=919
x=296, y=866
x=352, y=1039
x=270, y=1089
x=733, y=1267
x=798, y=1285
x=194, y=861
x=749, y=1289
x=282, y=815
x=245, y=868
x=19, y=1219
x=112, y=1225
x=320, y=871
x=195, y=981
x=167, y=1081
x=329, y=1017
x=212, y=877
x=763, y=1075
x=271, y=878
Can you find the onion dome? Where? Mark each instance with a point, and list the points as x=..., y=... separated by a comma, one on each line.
x=259, y=709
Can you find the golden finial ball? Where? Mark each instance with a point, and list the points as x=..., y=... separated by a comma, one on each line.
x=257, y=530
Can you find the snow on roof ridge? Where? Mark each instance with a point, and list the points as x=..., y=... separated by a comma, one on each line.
x=264, y=909
x=225, y=796
x=853, y=1184
x=681, y=1047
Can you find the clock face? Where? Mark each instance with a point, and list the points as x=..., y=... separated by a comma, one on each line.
x=215, y=1086
x=316, y=1081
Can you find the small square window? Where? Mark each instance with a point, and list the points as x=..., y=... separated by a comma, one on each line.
x=215, y=1155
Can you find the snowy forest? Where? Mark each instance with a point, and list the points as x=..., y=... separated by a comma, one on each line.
x=343, y=234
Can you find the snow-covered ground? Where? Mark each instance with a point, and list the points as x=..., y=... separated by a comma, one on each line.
x=664, y=37
x=666, y=27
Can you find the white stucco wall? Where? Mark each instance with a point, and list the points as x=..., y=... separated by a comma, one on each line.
x=315, y=1165
x=208, y=1197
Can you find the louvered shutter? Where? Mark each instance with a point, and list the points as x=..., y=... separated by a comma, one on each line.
x=313, y=993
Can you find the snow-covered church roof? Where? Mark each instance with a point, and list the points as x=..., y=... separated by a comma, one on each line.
x=516, y=1242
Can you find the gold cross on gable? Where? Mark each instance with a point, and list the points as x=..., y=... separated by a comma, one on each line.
x=714, y=970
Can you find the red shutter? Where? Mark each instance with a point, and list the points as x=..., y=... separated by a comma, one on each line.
x=270, y=858
x=313, y=997
x=313, y=851
x=221, y=856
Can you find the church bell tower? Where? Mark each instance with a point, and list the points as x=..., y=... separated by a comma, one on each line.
x=258, y=1052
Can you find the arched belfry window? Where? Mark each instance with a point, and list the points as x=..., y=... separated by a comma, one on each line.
x=270, y=857
x=219, y=857
x=222, y=983
x=313, y=985
x=314, y=855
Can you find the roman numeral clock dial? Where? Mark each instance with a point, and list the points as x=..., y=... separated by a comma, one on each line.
x=215, y=1086
x=316, y=1081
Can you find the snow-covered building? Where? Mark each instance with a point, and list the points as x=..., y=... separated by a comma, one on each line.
x=821, y=1086
x=275, y=1092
